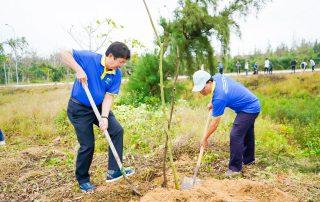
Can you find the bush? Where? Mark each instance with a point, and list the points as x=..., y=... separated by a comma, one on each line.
x=144, y=81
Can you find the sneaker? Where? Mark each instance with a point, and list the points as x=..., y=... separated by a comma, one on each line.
x=250, y=163
x=87, y=187
x=114, y=175
x=231, y=173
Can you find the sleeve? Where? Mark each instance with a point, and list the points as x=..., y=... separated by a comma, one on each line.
x=218, y=107
x=115, y=87
x=81, y=57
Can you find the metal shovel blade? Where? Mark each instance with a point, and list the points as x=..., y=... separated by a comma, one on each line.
x=188, y=182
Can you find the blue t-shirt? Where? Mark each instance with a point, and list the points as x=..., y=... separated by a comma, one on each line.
x=91, y=64
x=229, y=93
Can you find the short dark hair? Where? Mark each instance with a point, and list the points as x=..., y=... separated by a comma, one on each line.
x=210, y=80
x=118, y=50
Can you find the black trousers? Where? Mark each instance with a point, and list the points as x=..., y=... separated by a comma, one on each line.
x=242, y=141
x=82, y=119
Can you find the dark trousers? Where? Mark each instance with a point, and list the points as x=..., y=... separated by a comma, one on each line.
x=221, y=70
x=82, y=119
x=242, y=141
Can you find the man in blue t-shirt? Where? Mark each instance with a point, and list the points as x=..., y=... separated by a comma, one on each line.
x=229, y=93
x=103, y=76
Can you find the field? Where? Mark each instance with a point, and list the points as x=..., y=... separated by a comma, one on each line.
x=38, y=161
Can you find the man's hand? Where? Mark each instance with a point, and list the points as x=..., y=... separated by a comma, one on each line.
x=209, y=106
x=81, y=76
x=204, y=143
x=103, y=124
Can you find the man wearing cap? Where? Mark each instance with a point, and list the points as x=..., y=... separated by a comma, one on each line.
x=103, y=76
x=226, y=92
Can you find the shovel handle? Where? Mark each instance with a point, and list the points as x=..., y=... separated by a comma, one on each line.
x=201, y=150
x=111, y=145
x=96, y=112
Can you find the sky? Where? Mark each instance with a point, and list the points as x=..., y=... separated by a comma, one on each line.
x=45, y=23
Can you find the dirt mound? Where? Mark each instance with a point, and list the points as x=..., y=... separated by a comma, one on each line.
x=221, y=190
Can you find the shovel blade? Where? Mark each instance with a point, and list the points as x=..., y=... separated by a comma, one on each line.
x=187, y=182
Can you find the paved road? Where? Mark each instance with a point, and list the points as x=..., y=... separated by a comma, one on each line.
x=298, y=71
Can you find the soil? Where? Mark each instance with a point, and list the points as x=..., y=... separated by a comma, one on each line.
x=221, y=190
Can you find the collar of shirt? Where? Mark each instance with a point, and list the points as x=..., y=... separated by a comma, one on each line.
x=105, y=70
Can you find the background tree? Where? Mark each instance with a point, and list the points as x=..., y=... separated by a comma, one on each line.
x=95, y=35
x=18, y=47
x=197, y=21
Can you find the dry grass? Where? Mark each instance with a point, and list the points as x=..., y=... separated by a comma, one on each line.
x=38, y=161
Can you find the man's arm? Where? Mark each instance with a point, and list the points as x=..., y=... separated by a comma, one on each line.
x=67, y=59
x=106, y=106
x=212, y=128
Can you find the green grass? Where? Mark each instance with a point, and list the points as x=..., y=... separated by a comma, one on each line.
x=41, y=144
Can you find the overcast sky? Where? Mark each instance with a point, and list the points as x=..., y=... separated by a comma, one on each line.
x=44, y=23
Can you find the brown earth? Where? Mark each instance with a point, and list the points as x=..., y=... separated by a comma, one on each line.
x=221, y=190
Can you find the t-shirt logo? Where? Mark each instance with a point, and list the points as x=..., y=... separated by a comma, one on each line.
x=224, y=84
x=108, y=81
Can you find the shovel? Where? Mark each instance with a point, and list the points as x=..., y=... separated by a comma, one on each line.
x=189, y=182
x=114, y=151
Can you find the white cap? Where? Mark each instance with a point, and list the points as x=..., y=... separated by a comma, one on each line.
x=200, y=79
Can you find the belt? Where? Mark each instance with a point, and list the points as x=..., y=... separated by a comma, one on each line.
x=77, y=102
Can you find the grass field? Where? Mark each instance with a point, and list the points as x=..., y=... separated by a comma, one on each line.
x=38, y=161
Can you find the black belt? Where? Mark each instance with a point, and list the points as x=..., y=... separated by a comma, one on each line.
x=77, y=102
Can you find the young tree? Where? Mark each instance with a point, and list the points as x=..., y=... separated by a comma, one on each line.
x=94, y=35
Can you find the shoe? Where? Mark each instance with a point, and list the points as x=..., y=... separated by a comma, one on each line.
x=114, y=175
x=231, y=173
x=250, y=163
x=87, y=187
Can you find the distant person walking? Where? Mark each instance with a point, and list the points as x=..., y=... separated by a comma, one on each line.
x=293, y=65
x=266, y=65
x=246, y=67
x=220, y=67
x=238, y=65
x=270, y=67
x=312, y=64
x=255, y=68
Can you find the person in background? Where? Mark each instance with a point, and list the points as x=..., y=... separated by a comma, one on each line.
x=303, y=65
x=312, y=64
x=246, y=67
x=266, y=65
x=293, y=64
x=220, y=67
x=270, y=67
x=2, y=141
x=255, y=68
x=238, y=65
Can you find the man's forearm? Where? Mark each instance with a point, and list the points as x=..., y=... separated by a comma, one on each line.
x=106, y=105
x=212, y=127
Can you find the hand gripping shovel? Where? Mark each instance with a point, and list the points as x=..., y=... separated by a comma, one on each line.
x=189, y=182
x=114, y=151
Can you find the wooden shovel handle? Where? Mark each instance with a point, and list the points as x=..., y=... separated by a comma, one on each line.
x=201, y=149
